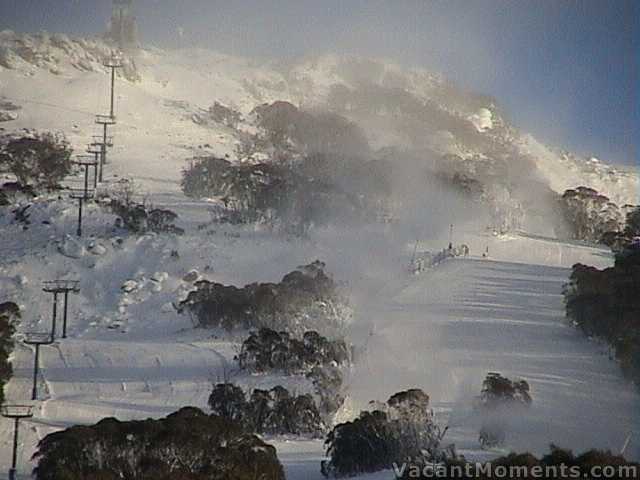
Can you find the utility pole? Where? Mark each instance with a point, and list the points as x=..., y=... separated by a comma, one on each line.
x=105, y=121
x=37, y=339
x=16, y=413
x=57, y=287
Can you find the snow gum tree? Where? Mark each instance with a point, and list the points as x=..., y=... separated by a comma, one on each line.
x=42, y=160
x=400, y=431
x=9, y=313
x=187, y=444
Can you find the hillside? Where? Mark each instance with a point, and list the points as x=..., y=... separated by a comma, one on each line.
x=132, y=354
x=57, y=82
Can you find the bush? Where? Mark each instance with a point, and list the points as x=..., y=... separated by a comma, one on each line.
x=187, y=444
x=305, y=298
x=402, y=432
x=41, y=160
x=225, y=115
x=9, y=312
x=274, y=411
x=140, y=219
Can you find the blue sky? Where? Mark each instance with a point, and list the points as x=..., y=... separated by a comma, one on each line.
x=566, y=70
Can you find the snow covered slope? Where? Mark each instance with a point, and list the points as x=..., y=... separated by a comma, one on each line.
x=59, y=83
x=131, y=355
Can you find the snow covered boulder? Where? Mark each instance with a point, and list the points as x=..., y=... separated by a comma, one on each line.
x=130, y=286
x=72, y=248
x=8, y=116
x=191, y=277
x=482, y=120
x=96, y=248
x=159, y=277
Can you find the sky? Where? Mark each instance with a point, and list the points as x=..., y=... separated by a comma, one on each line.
x=564, y=70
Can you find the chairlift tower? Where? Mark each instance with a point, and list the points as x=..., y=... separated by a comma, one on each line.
x=37, y=339
x=81, y=196
x=60, y=287
x=16, y=413
x=95, y=149
x=114, y=63
x=87, y=162
x=105, y=121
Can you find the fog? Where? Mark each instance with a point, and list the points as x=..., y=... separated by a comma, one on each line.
x=414, y=76
x=564, y=71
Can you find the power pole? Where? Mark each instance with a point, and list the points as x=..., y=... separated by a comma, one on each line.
x=57, y=287
x=37, y=339
x=16, y=413
x=105, y=121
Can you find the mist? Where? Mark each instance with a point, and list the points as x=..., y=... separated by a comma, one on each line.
x=429, y=154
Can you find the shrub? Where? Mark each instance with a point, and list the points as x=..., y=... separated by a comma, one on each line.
x=187, y=444
x=138, y=218
x=305, y=298
x=225, y=115
x=42, y=160
x=273, y=411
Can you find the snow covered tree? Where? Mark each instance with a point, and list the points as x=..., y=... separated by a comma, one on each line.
x=400, y=431
x=604, y=303
x=274, y=411
x=9, y=313
x=632, y=228
x=42, y=160
x=304, y=299
x=500, y=399
x=267, y=349
x=185, y=445
x=228, y=401
x=589, y=214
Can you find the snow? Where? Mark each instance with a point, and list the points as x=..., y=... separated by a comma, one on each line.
x=130, y=355
x=482, y=120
